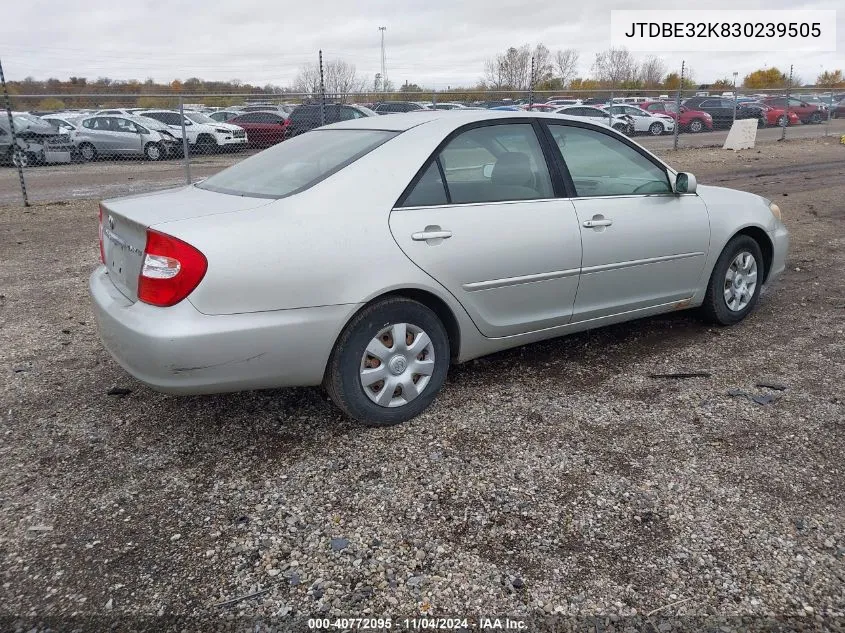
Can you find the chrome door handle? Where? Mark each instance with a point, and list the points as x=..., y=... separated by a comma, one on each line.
x=591, y=224
x=422, y=236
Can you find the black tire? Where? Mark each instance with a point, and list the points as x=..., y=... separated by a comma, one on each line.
x=21, y=158
x=816, y=117
x=761, y=122
x=655, y=129
x=88, y=152
x=781, y=120
x=621, y=127
x=153, y=151
x=715, y=307
x=343, y=379
x=695, y=126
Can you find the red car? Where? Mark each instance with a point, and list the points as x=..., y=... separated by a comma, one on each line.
x=807, y=112
x=263, y=129
x=773, y=116
x=690, y=120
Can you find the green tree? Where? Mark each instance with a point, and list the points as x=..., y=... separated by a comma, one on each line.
x=673, y=81
x=722, y=84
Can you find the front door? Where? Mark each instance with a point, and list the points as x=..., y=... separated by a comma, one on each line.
x=493, y=234
x=643, y=245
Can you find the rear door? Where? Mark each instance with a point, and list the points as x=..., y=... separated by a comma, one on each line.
x=643, y=245
x=482, y=219
x=127, y=139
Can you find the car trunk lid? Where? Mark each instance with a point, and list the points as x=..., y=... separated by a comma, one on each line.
x=125, y=222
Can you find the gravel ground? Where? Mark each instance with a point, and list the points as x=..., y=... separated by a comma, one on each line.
x=558, y=478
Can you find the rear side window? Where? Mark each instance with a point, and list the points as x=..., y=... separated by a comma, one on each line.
x=429, y=190
x=297, y=164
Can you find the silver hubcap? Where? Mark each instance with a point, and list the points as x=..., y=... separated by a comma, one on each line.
x=153, y=152
x=87, y=152
x=740, y=281
x=695, y=126
x=656, y=129
x=397, y=365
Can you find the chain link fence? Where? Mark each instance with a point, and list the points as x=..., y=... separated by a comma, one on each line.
x=87, y=145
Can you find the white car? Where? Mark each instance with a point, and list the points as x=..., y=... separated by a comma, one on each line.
x=204, y=133
x=620, y=123
x=644, y=122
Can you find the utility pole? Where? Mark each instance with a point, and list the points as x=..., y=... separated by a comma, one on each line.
x=18, y=156
x=678, y=108
x=383, y=73
x=786, y=107
x=735, y=95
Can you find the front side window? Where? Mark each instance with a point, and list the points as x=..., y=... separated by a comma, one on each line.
x=496, y=163
x=297, y=164
x=601, y=165
x=656, y=107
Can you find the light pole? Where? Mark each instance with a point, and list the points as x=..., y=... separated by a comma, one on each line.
x=735, y=95
x=383, y=75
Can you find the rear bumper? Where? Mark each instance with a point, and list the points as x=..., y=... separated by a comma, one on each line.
x=780, y=243
x=180, y=350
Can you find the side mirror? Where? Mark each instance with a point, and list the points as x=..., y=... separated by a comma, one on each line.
x=685, y=183
x=488, y=170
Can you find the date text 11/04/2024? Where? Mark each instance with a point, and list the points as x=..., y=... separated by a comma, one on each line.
x=414, y=624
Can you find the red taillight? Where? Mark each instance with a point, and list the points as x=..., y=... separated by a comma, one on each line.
x=100, y=231
x=171, y=270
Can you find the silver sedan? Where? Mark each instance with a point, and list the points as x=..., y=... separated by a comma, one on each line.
x=369, y=255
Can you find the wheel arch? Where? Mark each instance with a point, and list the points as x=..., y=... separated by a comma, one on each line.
x=764, y=241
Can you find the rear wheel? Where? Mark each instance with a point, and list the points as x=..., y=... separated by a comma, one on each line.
x=696, y=126
x=88, y=152
x=153, y=151
x=782, y=120
x=735, y=283
x=655, y=129
x=20, y=158
x=389, y=362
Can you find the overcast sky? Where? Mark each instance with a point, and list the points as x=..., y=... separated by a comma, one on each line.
x=434, y=43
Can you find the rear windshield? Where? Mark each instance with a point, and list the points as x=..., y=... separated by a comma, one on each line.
x=296, y=164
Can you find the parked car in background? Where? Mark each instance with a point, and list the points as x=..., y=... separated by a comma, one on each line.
x=65, y=124
x=511, y=108
x=204, y=135
x=308, y=117
x=355, y=257
x=448, y=106
x=120, y=111
x=540, y=107
x=223, y=116
x=721, y=109
x=644, y=122
x=765, y=114
x=621, y=123
x=562, y=102
x=107, y=136
x=270, y=107
x=263, y=129
x=38, y=142
x=689, y=120
x=838, y=110
x=807, y=112
x=393, y=107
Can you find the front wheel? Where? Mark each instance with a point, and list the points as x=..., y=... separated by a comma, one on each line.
x=21, y=158
x=735, y=283
x=782, y=121
x=389, y=362
x=816, y=118
x=761, y=122
x=88, y=152
x=153, y=151
x=656, y=129
x=696, y=125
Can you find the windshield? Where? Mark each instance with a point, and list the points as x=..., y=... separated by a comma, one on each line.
x=199, y=117
x=296, y=164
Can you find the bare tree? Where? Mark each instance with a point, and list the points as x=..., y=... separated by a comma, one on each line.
x=339, y=78
x=566, y=64
x=543, y=66
x=614, y=66
x=652, y=71
x=493, y=75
